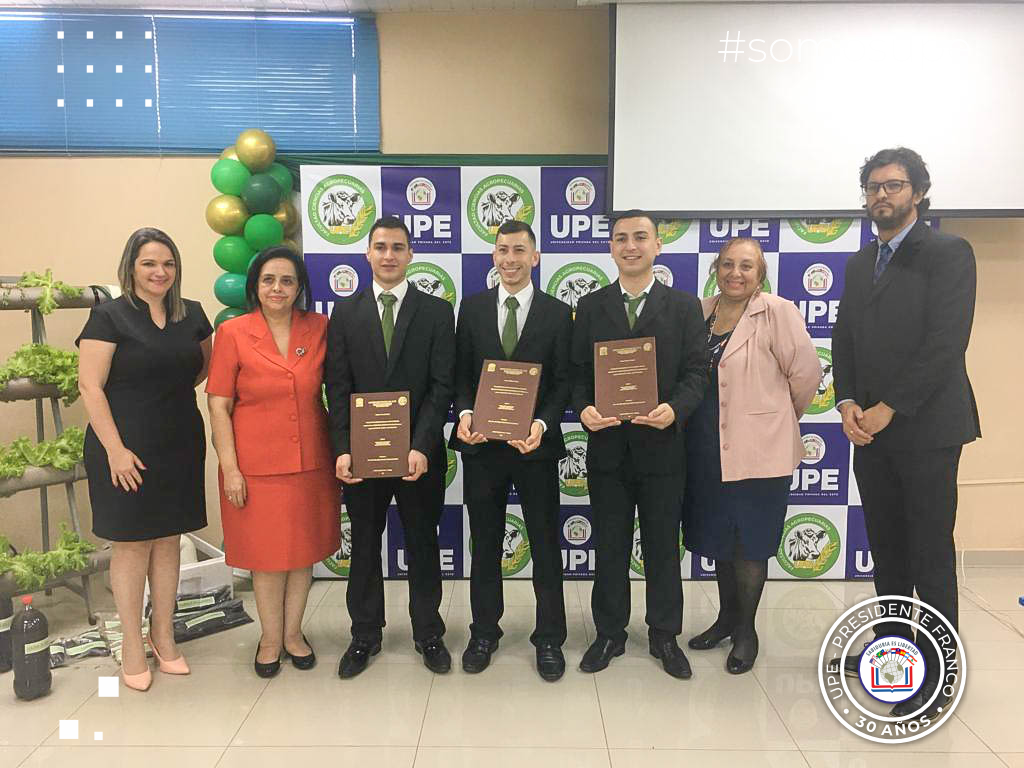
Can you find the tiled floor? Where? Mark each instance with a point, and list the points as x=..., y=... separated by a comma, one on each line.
x=630, y=716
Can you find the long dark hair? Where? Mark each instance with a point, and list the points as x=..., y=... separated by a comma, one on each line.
x=252, y=279
x=126, y=270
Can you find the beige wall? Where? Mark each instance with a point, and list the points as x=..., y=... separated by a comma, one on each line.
x=438, y=96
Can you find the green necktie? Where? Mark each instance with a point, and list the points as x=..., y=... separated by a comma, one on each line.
x=387, y=319
x=631, y=307
x=510, y=333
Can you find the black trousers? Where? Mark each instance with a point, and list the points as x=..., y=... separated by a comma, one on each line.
x=419, y=508
x=486, y=484
x=909, y=500
x=656, y=500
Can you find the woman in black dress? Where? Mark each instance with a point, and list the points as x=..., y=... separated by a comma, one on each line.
x=141, y=357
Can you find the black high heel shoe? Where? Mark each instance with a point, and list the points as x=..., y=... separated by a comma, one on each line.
x=304, y=662
x=266, y=670
x=709, y=638
x=735, y=665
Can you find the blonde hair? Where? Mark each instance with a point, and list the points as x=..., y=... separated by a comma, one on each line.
x=762, y=263
x=126, y=270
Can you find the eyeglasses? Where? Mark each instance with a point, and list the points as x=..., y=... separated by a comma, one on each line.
x=891, y=187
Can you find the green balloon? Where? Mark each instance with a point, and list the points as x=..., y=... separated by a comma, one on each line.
x=226, y=314
x=229, y=176
x=232, y=254
x=230, y=290
x=261, y=193
x=262, y=231
x=283, y=177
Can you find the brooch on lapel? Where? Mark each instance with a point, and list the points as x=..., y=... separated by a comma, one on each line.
x=300, y=351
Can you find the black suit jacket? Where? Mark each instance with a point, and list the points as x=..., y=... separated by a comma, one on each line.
x=904, y=340
x=422, y=361
x=546, y=336
x=676, y=321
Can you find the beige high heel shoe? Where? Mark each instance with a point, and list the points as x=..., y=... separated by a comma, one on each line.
x=139, y=682
x=176, y=666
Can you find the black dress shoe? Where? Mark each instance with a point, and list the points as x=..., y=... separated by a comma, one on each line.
x=550, y=662
x=738, y=665
x=477, y=656
x=266, y=670
x=851, y=667
x=600, y=653
x=357, y=657
x=304, y=662
x=435, y=656
x=709, y=638
x=908, y=708
x=672, y=657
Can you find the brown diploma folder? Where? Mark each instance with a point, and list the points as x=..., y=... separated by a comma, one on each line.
x=505, y=399
x=625, y=377
x=380, y=434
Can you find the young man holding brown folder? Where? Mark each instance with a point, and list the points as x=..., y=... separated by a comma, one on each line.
x=513, y=322
x=637, y=466
x=390, y=337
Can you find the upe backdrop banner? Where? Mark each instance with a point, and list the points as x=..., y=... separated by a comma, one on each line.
x=453, y=214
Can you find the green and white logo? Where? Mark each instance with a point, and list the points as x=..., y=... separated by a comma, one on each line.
x=572, y=470
x=431, y=279
x=711, y=286
x=810, y=545
x=819, y=231
x=825, y=398
x=341, y=209
x=636, y=557
x=574, y=281
x=515, y=546
x=451, y=468
x=671, y=230
x=340, y=562
x=494, y=201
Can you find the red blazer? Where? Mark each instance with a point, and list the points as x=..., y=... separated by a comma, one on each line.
x=279, y=419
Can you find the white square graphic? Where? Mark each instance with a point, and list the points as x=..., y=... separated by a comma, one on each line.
x=88, y=102
x=118, y=102
x=98, y=735
x=118, y=35
x=88, y=69
x=88, y=35
x=60, y=34
x=149, y=102
x=68, y=729
x=149, y=34
x=118, y=69
x=107, y=687
x=60, y=103
x=60, y=69
x=149, y=69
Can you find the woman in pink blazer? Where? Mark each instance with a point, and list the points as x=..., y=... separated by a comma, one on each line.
x=743, y=442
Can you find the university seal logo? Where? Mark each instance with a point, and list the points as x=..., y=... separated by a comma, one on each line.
x=572, y=470
x=420, y=193
x=576, y=530
x=819, y=231
x=341, y=209
x=892, y=669
x=574, y=281
x=431, y=279
x=809, y=547
x=580, y=193
x=814, y=448
x=494, y=201
x=344, y=280
x=663, y=275
x=818, y=279
x=340, y=562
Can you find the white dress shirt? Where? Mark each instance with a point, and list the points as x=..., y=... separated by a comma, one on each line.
x=642, y=304
x=398, y=292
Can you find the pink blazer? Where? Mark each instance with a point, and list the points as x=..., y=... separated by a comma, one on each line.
x=766, y=378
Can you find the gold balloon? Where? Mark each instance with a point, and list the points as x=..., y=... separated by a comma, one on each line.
x=226, y=214
x=229, y=153
x=288, y=217
x=293, y=244
x=255, y=149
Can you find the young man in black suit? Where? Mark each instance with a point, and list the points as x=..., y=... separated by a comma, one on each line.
x=639, y=465
x=392, y=337
x=513, y=321
x=898, y=357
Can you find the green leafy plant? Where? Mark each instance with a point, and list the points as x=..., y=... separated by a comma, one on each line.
x=47, y=300
x=31, y=570
x=60, y=453
x=44, y=365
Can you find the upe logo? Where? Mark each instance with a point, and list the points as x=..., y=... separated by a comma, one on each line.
x=576, y=530
x=663, y=275
x=819, y=231
x=711, y=286
x=494, y=201
x=818, y=279
x=343, y=280
x=672, y=230
x=636, y=556
x=574, y=281
x=814, y=448
x=515, y=546
x=572, y=470
x=892, y=670
x=340, y=562
x=420, y=193
x=431, y=279
x=579, y=193
x=825, y=398
x=809, y=546
x=341, y=209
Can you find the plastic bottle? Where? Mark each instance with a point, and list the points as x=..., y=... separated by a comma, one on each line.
x=30, y=642
x=6, y=619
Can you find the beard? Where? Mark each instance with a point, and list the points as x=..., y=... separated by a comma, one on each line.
x=887, y=214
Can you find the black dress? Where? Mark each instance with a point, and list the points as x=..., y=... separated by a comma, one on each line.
x=152, y=396
x=726, y=520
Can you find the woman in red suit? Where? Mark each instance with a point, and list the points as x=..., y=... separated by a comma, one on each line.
x=279, y=498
